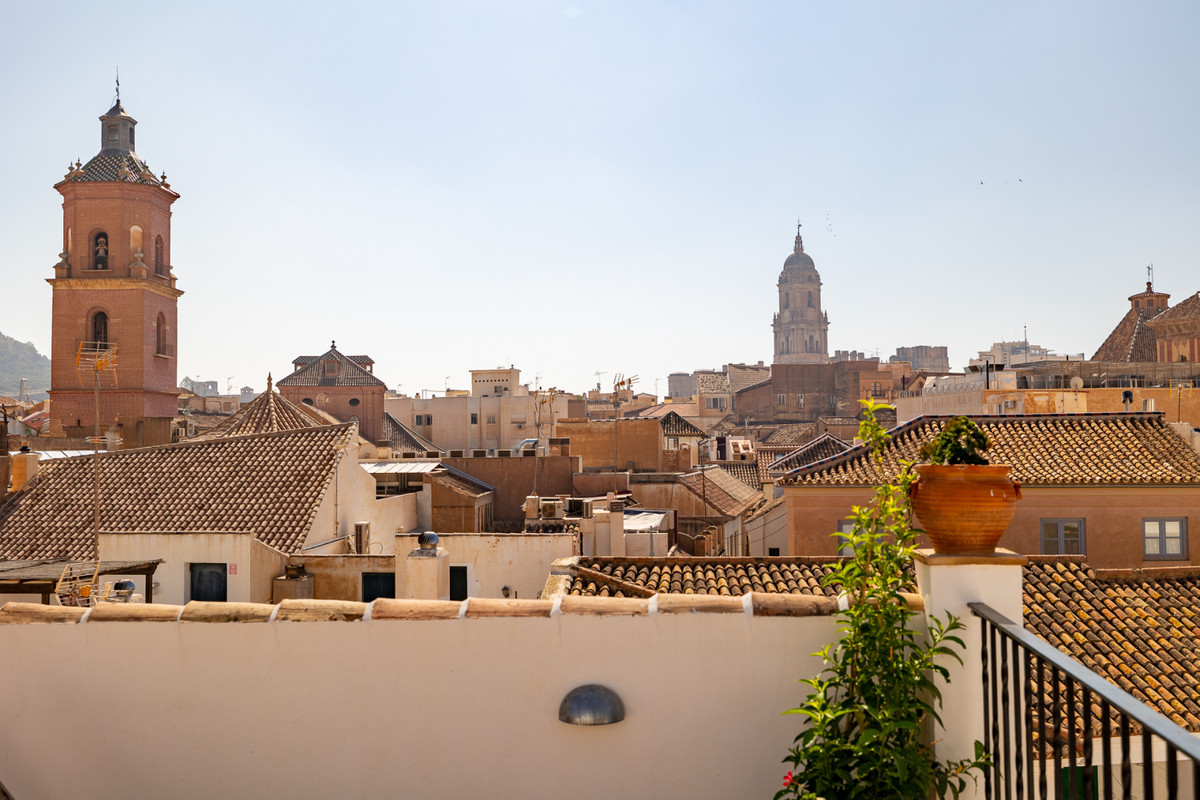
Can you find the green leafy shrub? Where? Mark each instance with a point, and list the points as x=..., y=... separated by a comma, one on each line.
x=960, y=442
x=868, y=710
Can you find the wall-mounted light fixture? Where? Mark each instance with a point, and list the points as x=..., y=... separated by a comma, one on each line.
x=591, y=704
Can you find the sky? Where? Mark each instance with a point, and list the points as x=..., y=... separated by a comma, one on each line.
x=576, y=188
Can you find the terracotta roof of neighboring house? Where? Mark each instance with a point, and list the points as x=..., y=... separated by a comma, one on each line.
x=312, y=372
x=767, y=508
x=724, y=493
x=403, y=439
x=839, y=420
x=675, y=425
x=824, y=446
x=794, y=434
x=205, y=420
x=126, y=168
x=710, y=382
x=267, y=413
x=268, y=484
x=1043, y=450
x=1140, y=629
x=744, y=377
x=1187, y=309
x=460, y=482
x=732, y=576
x=744, y=471
x=1131, y=340
x=766, y=455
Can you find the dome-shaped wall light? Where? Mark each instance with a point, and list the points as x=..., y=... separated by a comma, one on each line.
x=591, y=704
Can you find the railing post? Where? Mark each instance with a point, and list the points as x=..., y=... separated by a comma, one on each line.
x=948, y=583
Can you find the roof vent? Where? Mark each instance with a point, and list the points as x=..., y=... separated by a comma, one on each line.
x=428, y=540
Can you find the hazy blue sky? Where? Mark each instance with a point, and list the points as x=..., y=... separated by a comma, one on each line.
x=613, y=186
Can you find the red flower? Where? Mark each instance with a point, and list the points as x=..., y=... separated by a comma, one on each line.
x=788, y=780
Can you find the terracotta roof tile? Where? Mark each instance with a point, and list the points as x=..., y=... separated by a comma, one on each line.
x=1043, y=450
x=728, y=577
x=794, y=434
x=744, y=471
x=311, y=372
x=1131, y=340
x=675, y=425
x=1187, y=309
x=1136, y=628
x=723, y=492
x=403, y=439
x=268, y=484
x=824, y=446
x=267, y=413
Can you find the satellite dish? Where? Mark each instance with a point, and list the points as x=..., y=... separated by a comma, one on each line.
x=1077, y=383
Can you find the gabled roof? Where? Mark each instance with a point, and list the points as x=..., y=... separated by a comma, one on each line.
x=1139, y=629
x=742, y=377
x=312, y=372
x=403, y=439
x=724, y=493
x=824, y=446
x=459, y=482
x=766, y=455
x=793, y=434
x=267, y=413
x=1043, y=450
x=269, y=484
x=675, y=425
x=1187, y=309
x=744, y=471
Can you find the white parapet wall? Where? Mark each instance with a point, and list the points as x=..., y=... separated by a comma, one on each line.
x=404, y=698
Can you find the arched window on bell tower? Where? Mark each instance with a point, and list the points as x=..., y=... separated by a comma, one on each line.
x=810, y=305
x=100, y=328
x=160, y=261
x=786, y=301
x=100, y=250
x=160, y=335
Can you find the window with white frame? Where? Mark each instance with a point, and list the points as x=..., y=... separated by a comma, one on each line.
x=1164, y=538
x=1063, y=537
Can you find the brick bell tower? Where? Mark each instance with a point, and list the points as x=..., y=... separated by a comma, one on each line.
x=114, y=295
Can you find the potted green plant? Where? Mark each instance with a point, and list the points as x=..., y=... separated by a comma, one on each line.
x=962, y=502
x=871, y=714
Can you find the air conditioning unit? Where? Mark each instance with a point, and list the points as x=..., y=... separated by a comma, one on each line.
x=529, y=452
x=479, y=454
x=362, y=536
x=504, y=453
x=586, y=510
x=1010, y=403
x=457, y=453
x=552, y=509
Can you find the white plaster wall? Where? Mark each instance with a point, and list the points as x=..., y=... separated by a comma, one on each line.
x=493, y=561
x=453, y=708
x=172, y=579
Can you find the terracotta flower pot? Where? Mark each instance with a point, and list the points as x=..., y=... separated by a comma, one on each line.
x=964, y=509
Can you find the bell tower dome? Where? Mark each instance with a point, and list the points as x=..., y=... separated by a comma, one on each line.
x=114, y=295
x=801, y=328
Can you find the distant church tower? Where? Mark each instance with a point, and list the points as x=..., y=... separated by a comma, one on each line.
x=115, y=295
x=801, y=329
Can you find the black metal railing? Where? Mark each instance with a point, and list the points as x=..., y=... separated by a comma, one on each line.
x=1044, y=714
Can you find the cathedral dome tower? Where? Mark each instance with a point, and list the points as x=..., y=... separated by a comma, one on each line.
x=801, y=328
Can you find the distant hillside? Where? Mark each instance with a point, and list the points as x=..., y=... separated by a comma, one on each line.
x=22, y=360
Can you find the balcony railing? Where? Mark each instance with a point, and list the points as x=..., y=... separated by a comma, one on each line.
x=1043, y=711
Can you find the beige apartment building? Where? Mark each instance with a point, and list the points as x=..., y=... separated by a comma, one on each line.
x=499, y=413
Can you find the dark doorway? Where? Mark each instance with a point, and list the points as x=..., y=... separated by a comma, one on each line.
x=458, y=583
x=378, y=584
x=209, y=582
